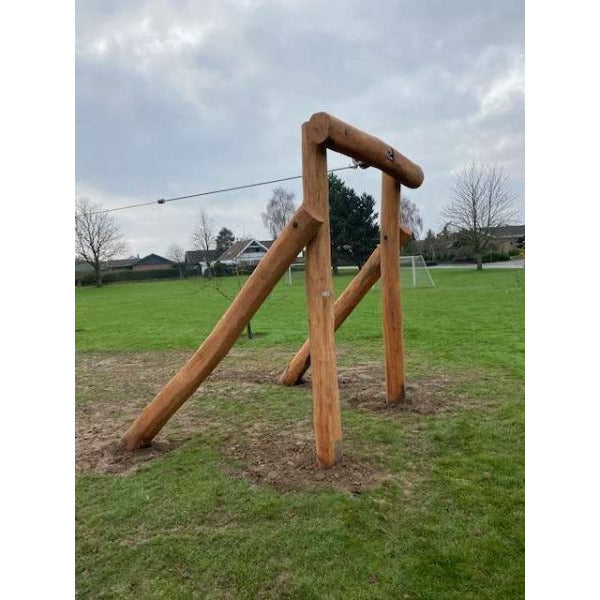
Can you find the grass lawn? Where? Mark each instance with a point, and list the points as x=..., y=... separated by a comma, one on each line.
x=434, y=507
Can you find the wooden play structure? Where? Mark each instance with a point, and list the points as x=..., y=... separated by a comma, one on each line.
x=309, y=227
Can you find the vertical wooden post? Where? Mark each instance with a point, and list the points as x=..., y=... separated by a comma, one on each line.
x=320, y=299
x=390, y=289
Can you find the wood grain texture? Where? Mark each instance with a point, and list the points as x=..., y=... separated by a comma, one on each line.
x=390, y=289
x=320, y=299
x=364, y=280
x=304, y=225
x=364, y=147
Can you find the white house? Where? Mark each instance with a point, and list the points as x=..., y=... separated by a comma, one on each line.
x=245, y=252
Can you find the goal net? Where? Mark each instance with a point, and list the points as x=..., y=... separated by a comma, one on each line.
x=414, y=272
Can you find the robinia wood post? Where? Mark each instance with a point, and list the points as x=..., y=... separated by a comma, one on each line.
x=390, y=289
x=303, y=226
x=364, y=147
x=320, y=299
x=363, y=281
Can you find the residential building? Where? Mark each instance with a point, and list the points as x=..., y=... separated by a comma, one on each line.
x=121, y=264
x=243, y=252
x=154, y=262
x=508, y=237
x=196, y=261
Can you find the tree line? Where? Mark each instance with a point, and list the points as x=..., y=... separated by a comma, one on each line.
x=480, y=199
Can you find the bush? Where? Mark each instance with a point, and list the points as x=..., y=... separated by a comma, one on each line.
x=220, y=270
x=489, y=256
x=495, y=256
x=217, y=269
x=119, y=276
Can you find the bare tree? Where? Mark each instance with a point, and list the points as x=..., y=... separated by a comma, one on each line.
x=410, y=216
x=97, y=236
x=481, y=199
x=280, y=209
x=203, y=236
x=177, y=254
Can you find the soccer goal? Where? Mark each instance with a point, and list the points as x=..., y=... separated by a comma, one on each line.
x=414, y=272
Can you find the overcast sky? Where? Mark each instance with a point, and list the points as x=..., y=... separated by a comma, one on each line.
x=174, y=98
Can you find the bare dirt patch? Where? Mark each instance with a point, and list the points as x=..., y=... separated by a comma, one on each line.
x=109, y=458
x=286, y=460
x=246, y=374
x=363, y=386
x=113, y=389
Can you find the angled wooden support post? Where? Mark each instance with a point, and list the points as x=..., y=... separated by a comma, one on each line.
x=344, y=305
x=304, y=225
x=320, y=299
x=390, y=289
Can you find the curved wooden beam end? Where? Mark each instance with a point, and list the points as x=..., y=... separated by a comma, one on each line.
x=324, y=129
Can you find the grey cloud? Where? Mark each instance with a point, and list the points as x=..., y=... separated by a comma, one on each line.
x=179, y=97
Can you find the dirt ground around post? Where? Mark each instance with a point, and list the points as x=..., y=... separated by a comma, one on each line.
x=112, y=389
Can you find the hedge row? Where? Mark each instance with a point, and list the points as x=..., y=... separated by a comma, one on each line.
x=117, y=276
x=218, y=269
x=487, y=257
x=496, y=257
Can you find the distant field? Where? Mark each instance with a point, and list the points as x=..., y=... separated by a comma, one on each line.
x=429, y=503
x=468, y=317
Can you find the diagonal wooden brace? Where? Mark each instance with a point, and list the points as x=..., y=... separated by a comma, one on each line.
x=302, y=228
x=344, y=305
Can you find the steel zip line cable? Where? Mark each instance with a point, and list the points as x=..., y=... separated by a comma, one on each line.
x=230, y=189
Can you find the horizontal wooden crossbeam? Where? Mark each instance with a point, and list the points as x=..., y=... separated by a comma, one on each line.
x=364, y=147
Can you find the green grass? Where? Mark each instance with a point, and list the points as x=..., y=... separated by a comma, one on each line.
x=467, y=318
x=447, y=523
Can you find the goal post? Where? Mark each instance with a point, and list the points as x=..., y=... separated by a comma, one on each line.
x=414, y=272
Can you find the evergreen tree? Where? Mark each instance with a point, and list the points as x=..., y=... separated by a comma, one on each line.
x=225, y=239
x=354, y=230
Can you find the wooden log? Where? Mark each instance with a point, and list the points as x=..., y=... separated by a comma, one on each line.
x=344, y=305
x=390, y=289
x=364, y=147
x=302, y=228
x=319, y=291
x=364, y=280
x=405, y=234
